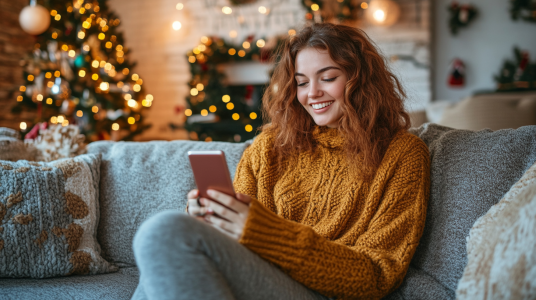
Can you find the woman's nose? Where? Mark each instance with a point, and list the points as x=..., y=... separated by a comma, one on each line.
x=314, y=91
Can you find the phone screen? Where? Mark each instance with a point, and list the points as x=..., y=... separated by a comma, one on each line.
x=211, y=172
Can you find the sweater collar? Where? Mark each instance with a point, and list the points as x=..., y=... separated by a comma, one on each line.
x=328, y=137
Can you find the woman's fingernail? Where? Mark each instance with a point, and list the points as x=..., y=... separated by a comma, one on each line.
x=210, y=193
x=210, y=210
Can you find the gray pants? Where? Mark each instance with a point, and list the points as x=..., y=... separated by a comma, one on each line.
x=180, y=257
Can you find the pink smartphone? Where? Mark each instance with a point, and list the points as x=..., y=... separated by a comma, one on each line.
x=211, y=172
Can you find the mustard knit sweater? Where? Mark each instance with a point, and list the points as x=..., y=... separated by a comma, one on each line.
x=334, y=233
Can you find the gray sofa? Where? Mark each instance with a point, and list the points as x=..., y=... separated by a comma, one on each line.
x=471, y=171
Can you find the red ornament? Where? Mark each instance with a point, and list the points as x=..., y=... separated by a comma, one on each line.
x=457, y=73
x=179, y=109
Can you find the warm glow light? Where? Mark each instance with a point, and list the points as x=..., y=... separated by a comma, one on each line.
x=364, y=5
x=204, y=112
x=115, y=126
x=57, y=74
x=202, y=47
x=212, y=108
x=53, y=12
x=108, y=66
x=236, y=116
x=95, y=64
x=196, y=50
x=128, y=97
x=65, y=123
x=200, y=86
x=131, y=120
x=232, y=51
x=79, y=113
x=179, y=6
x=48, y=75
x=86, y=24
x=291, y=32
x=233, y=33
x=249, y=128
x=125, y=71
x=95, y=109
x=149, y=97
x=82, y=73
x=22, y=88
x=230, y=106
x=314, y=7
x=227, y=10
x=135, y=77
x=261, y=43
x=50, y=84
x=54, y=35
x=30, y=77
x=262, y=9
x=23, y=126
x=95, y=76
x=379, y=15
x=176, y=25
x=104, y=86
x=194, y=92
x=253, y=116
x=102, y=63
x=19, y=98
x=53, y=120
x=241, y=53
x=136, y=88
x=246, y=45
x=39, y=97
x=64, y=47
x=132, y=103
x=101, y=36
x=57, y=17
x=72, y=53
x=226, y=98
x=204, y=39
x=119, y=48
x=109, y=45
x=81, y=35
x=188, y=112
x=61, y=119
x=49, y=101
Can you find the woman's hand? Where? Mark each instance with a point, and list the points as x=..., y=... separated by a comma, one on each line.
x=225, y=213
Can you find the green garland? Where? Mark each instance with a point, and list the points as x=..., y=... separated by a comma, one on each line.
x=523, y=9
x=518, y=74
x=460, y=16
x=339, y=11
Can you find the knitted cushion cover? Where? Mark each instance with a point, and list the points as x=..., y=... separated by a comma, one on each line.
x=48, y=218
x=470, y=172
x=501, y=247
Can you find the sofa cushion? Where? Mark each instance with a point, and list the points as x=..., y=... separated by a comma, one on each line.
x=140, y=179
x=470, y=172
x=500, y=248
x=117, y=286
x=48, y=218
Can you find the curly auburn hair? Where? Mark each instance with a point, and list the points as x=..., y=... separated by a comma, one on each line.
x=373, y=105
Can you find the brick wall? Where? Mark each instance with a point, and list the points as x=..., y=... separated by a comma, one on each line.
x=14, y=44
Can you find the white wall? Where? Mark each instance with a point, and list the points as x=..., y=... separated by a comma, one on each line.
x=483, y=46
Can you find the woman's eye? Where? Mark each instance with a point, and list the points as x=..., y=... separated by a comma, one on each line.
x=302, y=84
x=330, y=79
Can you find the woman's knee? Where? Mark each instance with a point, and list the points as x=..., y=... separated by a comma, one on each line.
x=162, y=228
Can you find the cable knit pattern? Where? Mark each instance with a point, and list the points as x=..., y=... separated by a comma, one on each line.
x=328, y=229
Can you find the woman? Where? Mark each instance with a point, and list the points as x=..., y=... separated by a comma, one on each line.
x=331, y=196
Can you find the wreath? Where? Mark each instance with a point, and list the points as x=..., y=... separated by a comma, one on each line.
x=460, y=16
x=523, y=9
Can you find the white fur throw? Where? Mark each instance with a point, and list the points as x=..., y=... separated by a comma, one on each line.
x=501, y=247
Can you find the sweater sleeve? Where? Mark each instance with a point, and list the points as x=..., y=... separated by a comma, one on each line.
x=377, y=262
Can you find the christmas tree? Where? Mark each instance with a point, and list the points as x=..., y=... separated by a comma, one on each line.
x=216, y=110
x=79, y=73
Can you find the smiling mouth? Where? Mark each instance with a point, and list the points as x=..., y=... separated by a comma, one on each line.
x=322, y=105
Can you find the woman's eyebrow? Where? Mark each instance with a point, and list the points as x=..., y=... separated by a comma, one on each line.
x=319, y=71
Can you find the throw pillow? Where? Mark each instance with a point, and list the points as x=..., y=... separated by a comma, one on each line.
x=48, y=218
x=500, y=247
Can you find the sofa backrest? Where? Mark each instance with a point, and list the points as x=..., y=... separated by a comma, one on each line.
x=470, y=172
x=140, y=179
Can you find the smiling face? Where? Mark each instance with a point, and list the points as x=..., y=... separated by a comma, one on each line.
x=321, y=85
